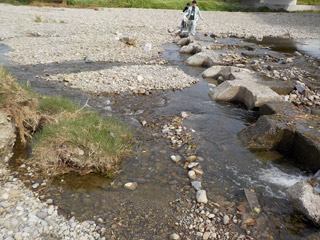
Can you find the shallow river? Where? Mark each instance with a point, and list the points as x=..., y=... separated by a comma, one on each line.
x=228, y=166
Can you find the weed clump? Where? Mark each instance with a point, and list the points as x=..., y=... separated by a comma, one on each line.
x=67, y=136
x=53, y=105
x=84, y=142
x=20, y=103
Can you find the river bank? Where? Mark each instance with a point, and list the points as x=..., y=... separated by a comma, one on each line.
x=23, y=214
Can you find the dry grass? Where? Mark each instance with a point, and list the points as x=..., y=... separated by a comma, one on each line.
x=20, y=104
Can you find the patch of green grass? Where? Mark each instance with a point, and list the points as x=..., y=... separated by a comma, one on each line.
x=308, y=2
x=54, y=105
x=105, y=133
x=84, y=142
x=206, y=5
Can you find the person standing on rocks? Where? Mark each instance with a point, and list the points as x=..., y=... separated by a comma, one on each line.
x=193, y=16
x=184, y=17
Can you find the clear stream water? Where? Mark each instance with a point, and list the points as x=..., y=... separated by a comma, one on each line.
x=228, y=166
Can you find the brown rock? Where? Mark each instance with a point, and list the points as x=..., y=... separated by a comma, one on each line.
x=241, y=208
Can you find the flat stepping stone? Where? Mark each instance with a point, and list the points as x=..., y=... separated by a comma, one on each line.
x=251, y=93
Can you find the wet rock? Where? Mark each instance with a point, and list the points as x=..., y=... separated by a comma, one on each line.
x=131, y=185
x=295, y=136
x=184, y=41
x=280, y=87
x=201, y=196
x=192, y=158
x=267, y=133
x=250, y=93
x=190, y=49
x=192, y=175
x=200, y=59
x=226, y=219
x=241, y=208
x=197, y=171
x=196, y=185
x=300, y=89
x=305, y=201
x=128, y=41
x=298, y=54
x=174, y=236
x=247, y=220
x=223, y=73
x=176, y=158
x=184, y=114
x=192, y=165
x=88, y=59
x=315, y=112
x=252, y=198
x=183, y=34
x=282, y=108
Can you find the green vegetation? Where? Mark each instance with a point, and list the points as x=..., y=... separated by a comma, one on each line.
x=53, y=105
x=83, y=142
x=62, y=21
x=67, y=136
x=206, y=5
x=308, y=2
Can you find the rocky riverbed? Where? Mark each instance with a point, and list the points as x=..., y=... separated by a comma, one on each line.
x=137, y=79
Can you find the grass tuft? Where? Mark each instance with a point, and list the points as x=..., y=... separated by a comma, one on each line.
x=85, y=143
x=54, y=105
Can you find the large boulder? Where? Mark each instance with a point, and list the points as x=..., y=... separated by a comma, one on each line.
x=288, y=130
x=268, y=133
x=251, y=93
x=184, y=41
x=200, y=59
x=305, y=201
x=227, y=73
x=280, y=87
x=190, y=49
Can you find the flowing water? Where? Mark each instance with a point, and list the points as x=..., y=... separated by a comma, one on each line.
x=228, y=166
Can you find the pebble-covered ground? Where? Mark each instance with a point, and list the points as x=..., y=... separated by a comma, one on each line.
x=48, y=35
x=137, y=79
